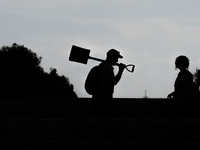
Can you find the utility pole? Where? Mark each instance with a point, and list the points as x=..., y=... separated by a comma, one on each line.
x=145, y=96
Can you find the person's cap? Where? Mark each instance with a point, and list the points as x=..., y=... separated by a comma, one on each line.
x=114, y=53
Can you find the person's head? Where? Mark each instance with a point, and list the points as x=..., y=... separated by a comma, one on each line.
x=113, y=56
x=182, y=62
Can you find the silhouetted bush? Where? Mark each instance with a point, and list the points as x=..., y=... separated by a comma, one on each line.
x=22, y=76
x=197, y=77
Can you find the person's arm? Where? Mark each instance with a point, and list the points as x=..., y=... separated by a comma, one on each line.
x=119, y=74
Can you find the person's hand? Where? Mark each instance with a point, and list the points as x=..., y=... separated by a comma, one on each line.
x=122, y=66
x=170, y=96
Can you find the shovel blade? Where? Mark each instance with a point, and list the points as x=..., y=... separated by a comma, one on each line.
x=79, y=54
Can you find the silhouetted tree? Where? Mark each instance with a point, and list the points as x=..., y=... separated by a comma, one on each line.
x=57, y=86
x=21, y=76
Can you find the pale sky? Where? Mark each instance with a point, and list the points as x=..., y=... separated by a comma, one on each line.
x=149, y=34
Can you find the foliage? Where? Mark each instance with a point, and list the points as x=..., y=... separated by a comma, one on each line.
x=197, y=77
x=23, y=77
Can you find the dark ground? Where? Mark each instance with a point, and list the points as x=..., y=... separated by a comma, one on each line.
x=62, y=124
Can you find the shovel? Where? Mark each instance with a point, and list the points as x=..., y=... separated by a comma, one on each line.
x=82, y=55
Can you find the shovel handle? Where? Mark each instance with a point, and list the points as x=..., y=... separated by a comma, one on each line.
x=97, y=59
x=129, y=67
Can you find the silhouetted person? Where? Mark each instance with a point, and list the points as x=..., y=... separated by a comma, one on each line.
x=183, y=89
x=103, y=98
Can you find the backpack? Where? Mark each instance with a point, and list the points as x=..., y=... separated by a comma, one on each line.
x=92, y=82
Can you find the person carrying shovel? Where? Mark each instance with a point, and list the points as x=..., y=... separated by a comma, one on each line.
x=103, y=98
x=101, y=79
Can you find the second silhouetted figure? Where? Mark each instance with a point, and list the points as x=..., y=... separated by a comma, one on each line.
x=184, y=94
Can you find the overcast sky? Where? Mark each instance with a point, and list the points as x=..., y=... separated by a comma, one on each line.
x=148, y=33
